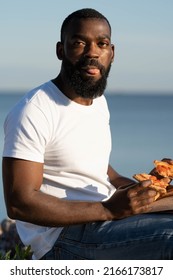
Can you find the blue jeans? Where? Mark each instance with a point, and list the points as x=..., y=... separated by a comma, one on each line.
x=140, y=237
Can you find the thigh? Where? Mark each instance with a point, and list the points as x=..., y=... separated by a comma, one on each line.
x=148, y=236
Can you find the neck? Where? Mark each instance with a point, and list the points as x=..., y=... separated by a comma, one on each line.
x=69, y=92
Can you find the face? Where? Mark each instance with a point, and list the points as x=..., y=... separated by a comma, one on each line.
x=86, y=54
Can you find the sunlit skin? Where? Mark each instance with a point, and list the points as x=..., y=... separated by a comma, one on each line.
x=91, y=40
x=85, y=39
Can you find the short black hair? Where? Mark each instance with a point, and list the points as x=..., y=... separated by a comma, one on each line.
x=85, y=13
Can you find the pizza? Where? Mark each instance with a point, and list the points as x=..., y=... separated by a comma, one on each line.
x=164, y=168
x=159, y=185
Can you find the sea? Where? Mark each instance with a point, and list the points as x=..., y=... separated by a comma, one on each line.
x=141, y=126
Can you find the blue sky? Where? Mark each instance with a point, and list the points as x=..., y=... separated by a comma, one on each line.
x=142, y=33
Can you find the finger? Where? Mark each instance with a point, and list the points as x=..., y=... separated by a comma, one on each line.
x=146, y=183
x=142, y=205
x=147, y=193
x=143, y=209
x=142, y=202
x=136, y=203
x=139, y=188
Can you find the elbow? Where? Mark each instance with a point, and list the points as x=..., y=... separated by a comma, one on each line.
x=12, y=212
x=14, y=208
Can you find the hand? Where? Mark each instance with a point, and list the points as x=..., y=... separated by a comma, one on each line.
x=141, y=197
x=130, y=200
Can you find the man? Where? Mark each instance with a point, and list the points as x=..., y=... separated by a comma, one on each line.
x=58, y=183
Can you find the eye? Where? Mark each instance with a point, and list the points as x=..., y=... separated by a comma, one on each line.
x=79, y=43
x=103, y=44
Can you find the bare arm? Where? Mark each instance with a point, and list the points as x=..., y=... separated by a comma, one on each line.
x=163, y=204
x=118, y=180
x=24, y=200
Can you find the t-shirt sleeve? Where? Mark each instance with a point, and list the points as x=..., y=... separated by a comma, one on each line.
x=27, y=133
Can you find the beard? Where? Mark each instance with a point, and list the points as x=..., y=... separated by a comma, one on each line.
x=86, y=87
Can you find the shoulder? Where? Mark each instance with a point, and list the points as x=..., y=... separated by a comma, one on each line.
x=102, y=106
x=39, y=100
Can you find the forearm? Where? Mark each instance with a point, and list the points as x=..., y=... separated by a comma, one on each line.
x=46, y=210
x=163, y=204
x=122, y=182
x=117, y=180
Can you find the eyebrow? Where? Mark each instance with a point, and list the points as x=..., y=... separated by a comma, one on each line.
x=83, y=37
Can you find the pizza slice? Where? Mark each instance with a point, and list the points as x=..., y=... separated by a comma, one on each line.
x=159, y=185
x=164, y=168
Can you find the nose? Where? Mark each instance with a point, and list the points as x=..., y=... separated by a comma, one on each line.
x=91, y=50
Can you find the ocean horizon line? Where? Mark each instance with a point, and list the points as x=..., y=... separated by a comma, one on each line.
x=107, y=92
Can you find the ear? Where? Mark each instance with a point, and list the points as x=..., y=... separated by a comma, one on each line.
x=59, y=50
x=113, y=52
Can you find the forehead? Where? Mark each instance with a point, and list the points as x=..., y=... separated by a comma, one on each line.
x=88, y=27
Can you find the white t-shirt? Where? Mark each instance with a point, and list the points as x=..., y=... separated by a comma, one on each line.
x=74, y=143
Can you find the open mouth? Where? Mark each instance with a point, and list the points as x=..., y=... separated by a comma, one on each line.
x=91, y=70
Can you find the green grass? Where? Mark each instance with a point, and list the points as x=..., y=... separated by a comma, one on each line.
x=18, y=254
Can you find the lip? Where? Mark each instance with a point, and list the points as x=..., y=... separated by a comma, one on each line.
x=91, y=70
